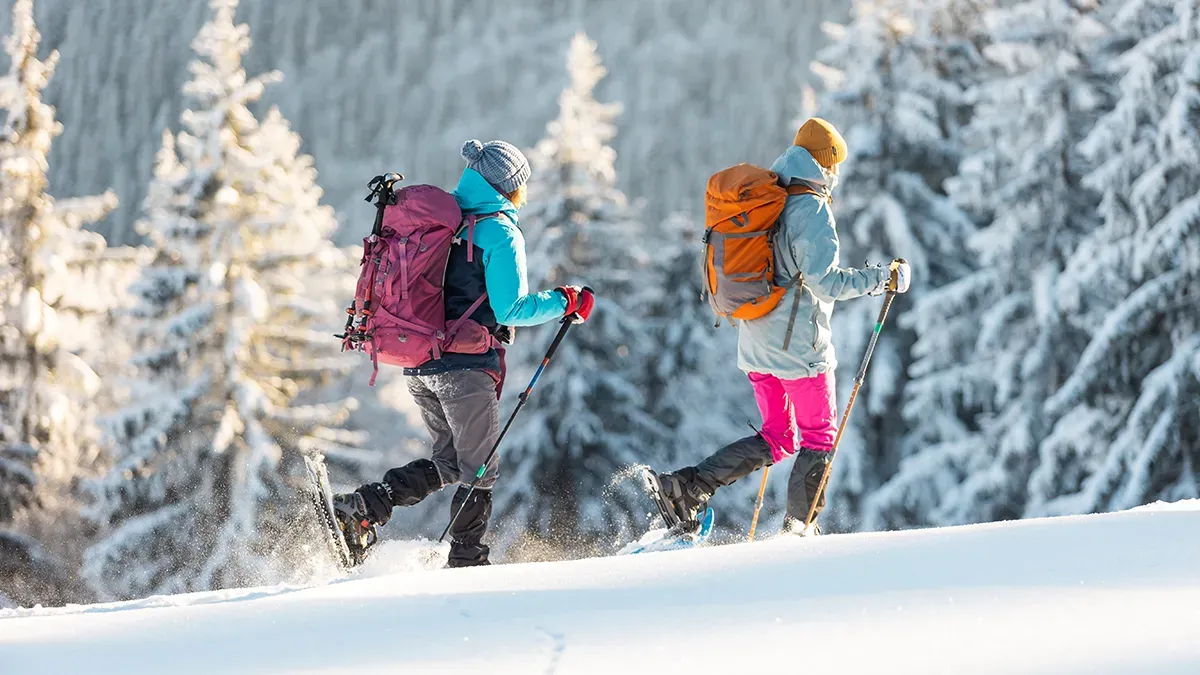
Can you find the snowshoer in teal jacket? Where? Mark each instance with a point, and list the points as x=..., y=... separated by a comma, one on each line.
x=458, y=394
x=497, y=266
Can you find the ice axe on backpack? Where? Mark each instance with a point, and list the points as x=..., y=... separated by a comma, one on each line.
x=566, y=323
x=383, y=183
x=382, y=190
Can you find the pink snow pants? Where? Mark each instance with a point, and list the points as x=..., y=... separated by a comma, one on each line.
x=806, y=403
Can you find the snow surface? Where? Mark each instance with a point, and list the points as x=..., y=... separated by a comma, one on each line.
x=1113, y=593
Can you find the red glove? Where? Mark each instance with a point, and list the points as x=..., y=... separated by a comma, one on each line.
x=579, y=302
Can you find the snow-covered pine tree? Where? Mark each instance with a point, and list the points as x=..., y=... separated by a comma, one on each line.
x=587, y=421
x=894, y=79
x=1128, y=418
x=47, y=431
x=202, y=493
x=1003, y=345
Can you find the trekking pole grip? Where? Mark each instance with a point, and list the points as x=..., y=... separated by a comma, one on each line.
x=574, y=316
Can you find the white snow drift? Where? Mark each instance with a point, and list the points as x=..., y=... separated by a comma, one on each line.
x=1116, y=593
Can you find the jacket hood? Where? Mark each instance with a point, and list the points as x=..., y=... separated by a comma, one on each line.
x=796, y=163
x=476, y=195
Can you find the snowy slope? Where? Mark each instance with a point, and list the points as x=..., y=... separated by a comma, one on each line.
x=1117, y=593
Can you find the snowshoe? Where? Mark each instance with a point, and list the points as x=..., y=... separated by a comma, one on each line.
x=673, y=539
x=350, y=535
x=653, y=487
x=676, y=533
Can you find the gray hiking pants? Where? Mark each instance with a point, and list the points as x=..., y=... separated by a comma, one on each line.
x=462, y=414
x=747, y=455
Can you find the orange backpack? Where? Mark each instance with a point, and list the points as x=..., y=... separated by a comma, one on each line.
x=742, y=209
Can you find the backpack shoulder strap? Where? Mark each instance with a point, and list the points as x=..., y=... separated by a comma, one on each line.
x=803, y=188
x=798, y=279
x=469, y=222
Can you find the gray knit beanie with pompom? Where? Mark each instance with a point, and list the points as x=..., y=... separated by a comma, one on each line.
x=501, y=164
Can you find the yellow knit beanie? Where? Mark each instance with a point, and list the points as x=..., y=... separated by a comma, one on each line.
x=822, y=141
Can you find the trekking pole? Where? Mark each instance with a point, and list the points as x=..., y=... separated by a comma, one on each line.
x=858, y=380
x=562, y=332
x=758, y=504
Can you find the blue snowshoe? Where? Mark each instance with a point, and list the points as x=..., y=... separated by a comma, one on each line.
x=685, y=526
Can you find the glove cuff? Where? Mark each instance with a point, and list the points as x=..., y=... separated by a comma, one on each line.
x=572, y=297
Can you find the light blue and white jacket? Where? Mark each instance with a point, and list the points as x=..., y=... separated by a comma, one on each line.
x=807, y=244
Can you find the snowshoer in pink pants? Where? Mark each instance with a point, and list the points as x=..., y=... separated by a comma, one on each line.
x=788, y=353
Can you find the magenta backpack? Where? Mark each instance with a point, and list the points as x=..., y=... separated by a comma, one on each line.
x=399, y=311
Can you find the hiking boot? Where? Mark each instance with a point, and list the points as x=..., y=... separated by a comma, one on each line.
x=403, y=486
x=685, y=494
x=805, y=478
x=466, y=535
x=467, y=554
x=360, y=528
x=795, y=527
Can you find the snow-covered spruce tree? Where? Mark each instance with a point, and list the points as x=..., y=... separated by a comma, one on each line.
x=1128, y=417
x=894, y=80
x=1004, y=344
x=47, y=432
x=202, y=493
x=587, y=420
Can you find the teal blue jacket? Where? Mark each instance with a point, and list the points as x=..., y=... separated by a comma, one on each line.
x=497, y=267
x=500, y=241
